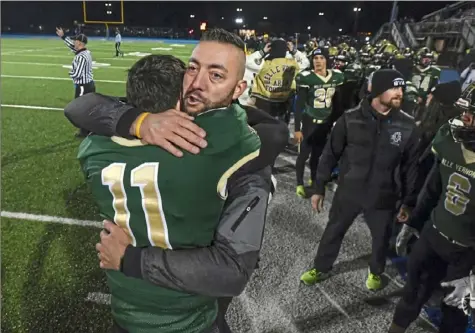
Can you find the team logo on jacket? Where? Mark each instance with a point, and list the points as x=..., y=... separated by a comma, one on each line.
x=396, y=138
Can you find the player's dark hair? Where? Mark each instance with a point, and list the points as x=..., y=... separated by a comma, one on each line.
x=154, y=83
x=222, y=36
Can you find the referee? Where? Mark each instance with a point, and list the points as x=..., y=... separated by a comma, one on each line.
x=81, y=72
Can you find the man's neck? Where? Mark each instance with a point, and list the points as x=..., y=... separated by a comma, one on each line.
x=321, y=72
x=380, y=108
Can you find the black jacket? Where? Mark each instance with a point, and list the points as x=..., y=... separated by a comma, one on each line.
x=372, y=148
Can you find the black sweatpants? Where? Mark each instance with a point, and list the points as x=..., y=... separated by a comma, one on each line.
x=314, y=139
x=82, y=89
x=432, y=260
x=343, y=212
x=117, y=49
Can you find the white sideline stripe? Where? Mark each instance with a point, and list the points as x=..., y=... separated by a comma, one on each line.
x=31, y=50
x=52, y=219
x=53, y=78
x=99, y=298
x=57, y=65
x=31, y=107
x=333, y=302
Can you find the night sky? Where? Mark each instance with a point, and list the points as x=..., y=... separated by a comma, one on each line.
x=281, y=16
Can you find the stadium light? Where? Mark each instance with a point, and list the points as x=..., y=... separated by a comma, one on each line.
x=357, y=9
x=192, y=16
x=239, y=9
x=309, y=28
x=222, y=17
x=340, y=30
x=239, y=20
x=367, y=38
x=321, y=14
x=109, y=12
x=265, y=17
x=203, y=26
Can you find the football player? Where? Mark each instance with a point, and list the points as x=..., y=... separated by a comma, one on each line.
x=318, y=106
x=445, y=249
x=426, y=75
x=135, y=184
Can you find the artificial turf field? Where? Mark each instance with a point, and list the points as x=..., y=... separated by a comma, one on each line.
x=51, y=281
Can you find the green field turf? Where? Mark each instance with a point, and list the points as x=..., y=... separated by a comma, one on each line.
x=51, y=281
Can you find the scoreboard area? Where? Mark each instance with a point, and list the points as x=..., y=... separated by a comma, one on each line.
x=103, y=12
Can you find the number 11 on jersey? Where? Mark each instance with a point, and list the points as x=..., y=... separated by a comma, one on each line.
x=145, y=178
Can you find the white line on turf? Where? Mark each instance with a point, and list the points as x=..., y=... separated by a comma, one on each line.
x=52, y=219
x=32, y=107
x=57, y=65
x=52, y=78
x=31, y=50
x=99, y=298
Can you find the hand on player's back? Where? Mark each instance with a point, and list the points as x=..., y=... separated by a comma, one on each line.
x=172, y=129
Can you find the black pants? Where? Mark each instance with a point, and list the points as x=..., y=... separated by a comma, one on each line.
x=278, y=110
x=314, y=140
x=343, y=212
x=80, y=90
x=219, y=326
x=432, y=260
x=117, y=49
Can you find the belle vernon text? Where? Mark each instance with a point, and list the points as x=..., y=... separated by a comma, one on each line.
x=281, y=84
x=459, y=168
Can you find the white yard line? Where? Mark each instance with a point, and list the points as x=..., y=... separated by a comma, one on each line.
x=99, y=298
x=52, y=78
x=52, y=219
x=32, y=107
x=32, y=50
x=56, y=65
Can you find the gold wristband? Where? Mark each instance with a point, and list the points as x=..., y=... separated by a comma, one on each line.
x=140, y=120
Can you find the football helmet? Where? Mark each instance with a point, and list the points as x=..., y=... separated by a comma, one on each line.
x=463, y=127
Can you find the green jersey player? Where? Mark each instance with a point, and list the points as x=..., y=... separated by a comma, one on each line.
x=318, y=105
x=425, y=76
x=169, y=202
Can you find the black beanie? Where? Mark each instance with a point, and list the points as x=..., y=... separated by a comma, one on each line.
x=447, y=93
x=385, y=79
x=321, y=51
x=278, y=49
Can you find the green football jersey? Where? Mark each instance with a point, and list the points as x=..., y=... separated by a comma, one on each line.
x=425, y=79
x=353, y=73
x=411, y=92
x=169, y=202
x=455, y=211
x=320, y=92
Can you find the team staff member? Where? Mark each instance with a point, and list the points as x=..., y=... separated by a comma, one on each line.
x=372, y=141
x=81, y=72
x=445, y=249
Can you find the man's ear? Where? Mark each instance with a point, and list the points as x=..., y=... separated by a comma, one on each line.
x=241, y=86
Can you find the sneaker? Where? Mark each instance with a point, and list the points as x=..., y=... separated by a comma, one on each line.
x=300, y=191
x=313, y=276
x=374, y=282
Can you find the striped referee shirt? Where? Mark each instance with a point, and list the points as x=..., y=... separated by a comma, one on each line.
x=81, y=73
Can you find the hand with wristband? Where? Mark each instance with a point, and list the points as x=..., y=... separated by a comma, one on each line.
x=169, y=129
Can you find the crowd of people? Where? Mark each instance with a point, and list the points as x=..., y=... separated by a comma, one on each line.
x=182, y=169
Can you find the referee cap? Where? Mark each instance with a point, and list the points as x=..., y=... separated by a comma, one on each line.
x=81, y=37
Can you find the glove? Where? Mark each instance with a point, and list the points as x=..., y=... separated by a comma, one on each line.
x=403, y=238
x=468, y=300
x=462, y=288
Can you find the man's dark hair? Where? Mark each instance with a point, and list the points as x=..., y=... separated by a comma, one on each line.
x=154, y=83
x=222, y=36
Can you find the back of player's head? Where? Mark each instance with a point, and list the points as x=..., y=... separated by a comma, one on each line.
x=154, y=83
x=222, y=36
